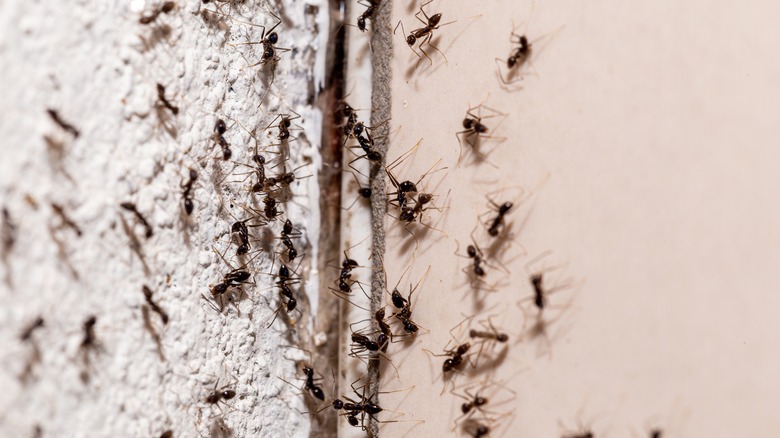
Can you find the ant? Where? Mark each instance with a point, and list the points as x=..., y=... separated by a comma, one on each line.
x=270, y=210
x=371, y=8
x=7, y=233
x=476, y=255
x=162, y=100
x=65, y=219
x=474, y=129
x=164, y=9
x=220, y=395
x=268, y=40
x=154, y=306
x=233, y=279
x=352, y=408
x=284, y=124
x=218, y=137
x=310, y=384
x=241, y=230
x=28, y=332
x=456, y=357
x=55, y=116
x=425, y=33
x=362, y=192
x=129, y=206
x=384, y=328
x=489, y=335
x=88, y=342
x=477, y=401
x=284, y=283
x=405, y=306
x=186, y=193
x=497, y=223
x=287, y=231
x=411, y=214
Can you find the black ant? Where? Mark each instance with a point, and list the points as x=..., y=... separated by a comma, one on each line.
x=517, y=58
x=268, y=40
x=411, y=214
x=55, y=116
x=28, y=332
x=289, y=231
x=284, y=124
x=352, y=408
x=65, y=219
x=286, y=279
x=541, y=293
x=497, y=223
x=218, y=137
x=164, y=101
x=456, y=357
x=270, y=209
x=474, y=129
x=425, y=33
x=384, y=328
x=233, y=279
x=220, y=395
x=404, y=315
x=478, y=400
x=489, y=335
x=362, y=192
x=88, y=343
x=154, y=306
x=186, y=193
x=164, y=9
x=129, y=206
x=310, y=384
x=371, y=8
x=361, y=343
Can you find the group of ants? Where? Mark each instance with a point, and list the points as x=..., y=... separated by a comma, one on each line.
x=275, y=189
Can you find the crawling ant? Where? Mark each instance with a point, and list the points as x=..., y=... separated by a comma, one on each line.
x=233, y=279
x=164, y=101
x=218, y=137
x=384, y=328
x=497, y=223
x=286, y=279
x=186, y=193
x=154, y=306
x=352, y=408
x=474, y=129
x=476, y=255
x=270, y=210
x=129, y=206
x=310, y=384
x=88, y=343
x=55, y=116
x=371, y=8
x=65, y=219
x=284, y=124
x=478, y=401
x=164, y=9
x=28, y=332
x=361, y=343
x=489, y=335
x=404, y=315
x=362, y=192
x=456, y=357
x=425, y=33
x=411, y=214
x=268, y=40
x=239, y=228
x=287, y=232
x=220, y=395
x=7, y=233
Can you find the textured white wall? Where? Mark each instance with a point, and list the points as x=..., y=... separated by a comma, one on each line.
x=97, y=66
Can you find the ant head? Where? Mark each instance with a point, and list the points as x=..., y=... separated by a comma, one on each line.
x=349, y=264
x=268, y=53
x=434, y=20
x=407, y=187
x=410, y=40
x=273, y=38
x=361, y=22
x=505, y=207
x=259, y=159
x=471, y=251
x=380, y=314
x=364, y=192
x=482, y=430
x=424, y=198
x=338, y=404
x=502, y=337
x=463, y=349
x=288, y=227
x=220, y=127
x=345, y=110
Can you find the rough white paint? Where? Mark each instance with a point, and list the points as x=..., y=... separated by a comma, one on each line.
x=95, y=64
